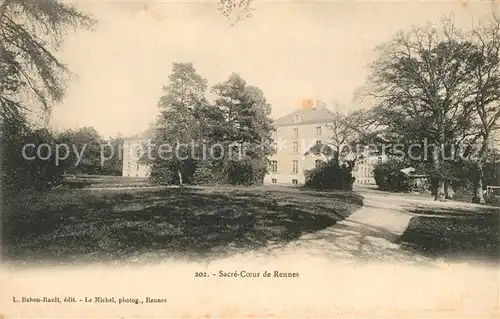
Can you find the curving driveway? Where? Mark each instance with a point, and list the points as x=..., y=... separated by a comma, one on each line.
x=373, y=233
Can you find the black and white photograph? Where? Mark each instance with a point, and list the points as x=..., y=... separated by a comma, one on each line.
x=249, y=159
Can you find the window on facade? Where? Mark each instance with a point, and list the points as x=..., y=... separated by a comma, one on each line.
x=295, y=166
x=317, y=163
x=379, y=159
x=274, y=181
x=295, y=132
x=295, y=147
x=274, y=166
x=137, y=167
x=275, y=134
x=295, y=182
x=318, y=130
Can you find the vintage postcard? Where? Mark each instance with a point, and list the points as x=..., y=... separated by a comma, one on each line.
x=250, y=159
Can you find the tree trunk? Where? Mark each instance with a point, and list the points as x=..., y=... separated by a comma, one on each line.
x=478, y=184
x=337, y=155
x=478, y=197
x=440, y=192
x=433, y=186
x=180, y=177
x=448, y=190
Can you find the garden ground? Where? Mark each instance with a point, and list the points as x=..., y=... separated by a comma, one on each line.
x=148, y=224
x=81, y=225
x=398, y=255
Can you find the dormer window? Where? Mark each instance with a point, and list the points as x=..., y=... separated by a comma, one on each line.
x=296, y=118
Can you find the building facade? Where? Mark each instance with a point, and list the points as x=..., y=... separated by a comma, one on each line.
x=132, y=152
x=294, y=135
x=363, y=171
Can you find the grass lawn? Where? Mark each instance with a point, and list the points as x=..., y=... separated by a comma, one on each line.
x=104, y=225
x=458, y=233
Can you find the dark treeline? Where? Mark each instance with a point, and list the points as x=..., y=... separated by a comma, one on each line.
x=38, y=158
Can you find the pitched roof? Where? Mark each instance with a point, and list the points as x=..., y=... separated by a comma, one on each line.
x=306, y=116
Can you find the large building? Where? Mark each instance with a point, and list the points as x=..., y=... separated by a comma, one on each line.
x=294, y=135
x=132, y=147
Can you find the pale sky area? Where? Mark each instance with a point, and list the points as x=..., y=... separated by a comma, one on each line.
x=291, y=50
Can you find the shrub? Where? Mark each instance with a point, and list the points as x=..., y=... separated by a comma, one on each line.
x=398, y=181
x=493, y=198
x=330, y=176
x=419, y=185
x=244, y=172
x=388, y=176
x=161, y=175
x=234, y=172
x=207, y=173
x=18, y=172
x=167, y=172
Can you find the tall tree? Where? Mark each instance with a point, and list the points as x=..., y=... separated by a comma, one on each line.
x=112, y=161
x=30, y=32
x=420, y=83
x=31, y=76
x=484, y=77
x=83, y=151
x=177, y=125
x=247, y=127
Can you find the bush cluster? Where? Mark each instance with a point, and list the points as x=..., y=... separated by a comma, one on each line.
x=18, y=173
x=330, y=176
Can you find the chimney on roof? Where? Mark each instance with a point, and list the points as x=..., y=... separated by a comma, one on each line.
x=311, y=104
x=320, y=104
x=307, y=104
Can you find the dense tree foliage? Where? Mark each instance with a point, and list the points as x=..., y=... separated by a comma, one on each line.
x=89, y=153
x=32, y=167
x=177, y=126
x=224, y=142
x=437, y=93
x=331, y=175
x=38, y=158
x=33, y=79
x=31, y=30
x=246, y=132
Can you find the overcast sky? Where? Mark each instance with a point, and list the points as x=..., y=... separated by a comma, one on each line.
x=291, y=50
